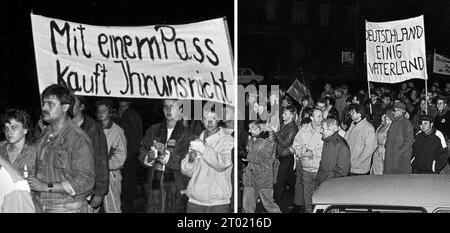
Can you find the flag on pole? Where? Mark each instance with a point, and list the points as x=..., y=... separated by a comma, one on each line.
x=297, y=91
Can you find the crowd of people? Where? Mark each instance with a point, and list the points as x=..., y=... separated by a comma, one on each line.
x=299, y=144
x=70, y=162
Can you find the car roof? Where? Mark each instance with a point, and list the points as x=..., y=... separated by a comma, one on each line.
x=386, y=190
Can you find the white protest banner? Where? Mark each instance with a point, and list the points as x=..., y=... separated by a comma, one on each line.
x=191, y=61
x=441, y=65
x=396, y=50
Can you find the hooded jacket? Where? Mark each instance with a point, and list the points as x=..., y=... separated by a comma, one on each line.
x=260, y=158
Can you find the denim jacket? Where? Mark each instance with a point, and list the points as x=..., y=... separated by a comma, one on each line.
x=68, y=158
x=26, y=157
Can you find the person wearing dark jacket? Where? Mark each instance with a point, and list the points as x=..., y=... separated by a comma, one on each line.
x=258, y=175
x=430, y=151
x=100, y=147
x=377, y=110
x=284, y=139
x=399, y=141
x=442, y=119
x=165, y=180
x=131, y=123
x=335, y=160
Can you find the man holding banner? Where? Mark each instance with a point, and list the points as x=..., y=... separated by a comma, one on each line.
x=191, y=61
x=396, y=53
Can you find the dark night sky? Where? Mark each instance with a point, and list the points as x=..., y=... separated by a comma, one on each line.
x=279, y=47
x=18, y=82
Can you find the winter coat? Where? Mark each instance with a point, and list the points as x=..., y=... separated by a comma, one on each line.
x=311, y=139
x=362, y=140
x=430, y=152
x=260, y=158
x=210, y=175
x=285, y=138
x=335, y=161
x=398, y=146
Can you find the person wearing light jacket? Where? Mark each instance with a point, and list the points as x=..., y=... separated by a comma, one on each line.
x=15, y=196
x=209, y=165
x=362, y=140
x=307, y=147
x=117, y=149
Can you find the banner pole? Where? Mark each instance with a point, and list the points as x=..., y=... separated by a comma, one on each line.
x=370, y=98
x=426, y=96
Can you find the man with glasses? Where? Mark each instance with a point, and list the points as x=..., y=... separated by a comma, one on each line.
x=399, y=143
x=442, y=121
